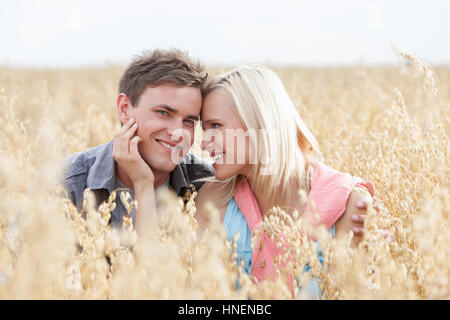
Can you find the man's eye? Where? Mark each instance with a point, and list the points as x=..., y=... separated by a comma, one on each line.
x=164, y=113
x=189, y=122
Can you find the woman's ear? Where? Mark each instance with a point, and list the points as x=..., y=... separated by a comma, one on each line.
x=124, y=108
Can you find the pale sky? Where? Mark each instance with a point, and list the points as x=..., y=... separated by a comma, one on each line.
x=72, y=33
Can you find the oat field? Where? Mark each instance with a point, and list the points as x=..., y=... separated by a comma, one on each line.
x=389, y=125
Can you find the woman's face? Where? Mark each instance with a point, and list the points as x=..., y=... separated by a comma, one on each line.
x=225, y=137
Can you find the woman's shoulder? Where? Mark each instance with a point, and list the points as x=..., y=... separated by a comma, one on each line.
x=322, y=176
x=330, y=192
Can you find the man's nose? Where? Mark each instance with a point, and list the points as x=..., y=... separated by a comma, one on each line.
x=175, y=131
x=176, y=135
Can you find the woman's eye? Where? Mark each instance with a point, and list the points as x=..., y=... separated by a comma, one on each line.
x=215, y=125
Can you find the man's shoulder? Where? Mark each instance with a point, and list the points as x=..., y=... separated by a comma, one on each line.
x=77, y=165
x=76, y=169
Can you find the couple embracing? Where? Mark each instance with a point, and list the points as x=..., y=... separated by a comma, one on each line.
x=262, y=152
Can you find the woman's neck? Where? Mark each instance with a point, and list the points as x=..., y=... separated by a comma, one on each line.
x=264, y=204
x=288, y=204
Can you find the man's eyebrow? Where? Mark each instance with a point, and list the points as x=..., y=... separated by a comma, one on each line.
x=164, y=106
x=170, y=109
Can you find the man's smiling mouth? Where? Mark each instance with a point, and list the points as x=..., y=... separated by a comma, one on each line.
x=168, y=145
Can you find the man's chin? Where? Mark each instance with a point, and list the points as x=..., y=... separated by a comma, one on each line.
x=165, y=162
x=162, y=166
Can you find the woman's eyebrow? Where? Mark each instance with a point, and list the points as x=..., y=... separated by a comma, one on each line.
x=210, y=120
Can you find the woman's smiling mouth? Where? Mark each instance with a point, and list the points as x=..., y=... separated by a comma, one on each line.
x=216, y=156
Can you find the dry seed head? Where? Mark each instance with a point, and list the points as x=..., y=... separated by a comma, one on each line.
x=402, y=148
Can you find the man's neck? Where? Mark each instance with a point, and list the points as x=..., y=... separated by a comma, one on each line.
x=160, y=177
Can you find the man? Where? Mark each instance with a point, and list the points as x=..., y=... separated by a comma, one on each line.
x=159, y=103
x=162, y=92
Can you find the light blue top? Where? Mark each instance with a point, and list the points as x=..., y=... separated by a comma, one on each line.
x=234, y=222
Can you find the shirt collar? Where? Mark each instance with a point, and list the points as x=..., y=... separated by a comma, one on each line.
x=177, y=179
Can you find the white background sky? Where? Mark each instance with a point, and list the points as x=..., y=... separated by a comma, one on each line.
x=60, y=33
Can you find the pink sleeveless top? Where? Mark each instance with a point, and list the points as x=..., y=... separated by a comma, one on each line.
x=330, y=190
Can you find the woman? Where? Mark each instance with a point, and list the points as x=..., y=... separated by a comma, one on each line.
x=263, y=154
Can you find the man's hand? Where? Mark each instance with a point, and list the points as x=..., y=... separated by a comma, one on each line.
x=126, y=153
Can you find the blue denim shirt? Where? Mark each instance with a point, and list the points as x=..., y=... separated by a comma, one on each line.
x=95, y=169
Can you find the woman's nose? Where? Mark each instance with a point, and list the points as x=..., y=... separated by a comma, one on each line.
x=204, y=143
x=207, y=141
x=209, y=136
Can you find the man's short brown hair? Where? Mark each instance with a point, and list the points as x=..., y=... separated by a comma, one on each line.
x=155, y=67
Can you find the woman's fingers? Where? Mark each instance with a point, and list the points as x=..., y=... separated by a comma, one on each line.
x=387, y=236
x=358, y=218
x=378, y=206
x=363, y=205
x=357, y=231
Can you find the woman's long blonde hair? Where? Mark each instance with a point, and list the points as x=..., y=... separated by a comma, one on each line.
x=262, y=103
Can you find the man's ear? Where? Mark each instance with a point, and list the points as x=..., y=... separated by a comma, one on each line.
x=124, y=108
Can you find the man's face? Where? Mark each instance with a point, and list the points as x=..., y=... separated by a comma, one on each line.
x=166, y=116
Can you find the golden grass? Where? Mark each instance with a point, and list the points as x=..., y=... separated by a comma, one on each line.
x=388, y=125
